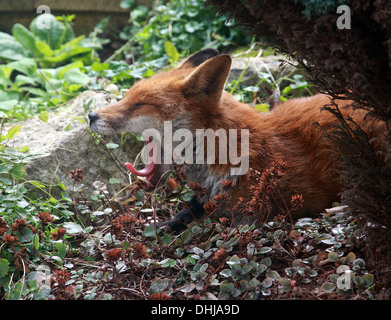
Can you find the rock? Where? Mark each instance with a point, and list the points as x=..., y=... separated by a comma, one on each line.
x=65, y=143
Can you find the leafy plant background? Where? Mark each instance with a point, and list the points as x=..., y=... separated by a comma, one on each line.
x=63, y=249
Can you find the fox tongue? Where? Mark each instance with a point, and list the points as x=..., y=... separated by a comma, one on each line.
x=142, y=173
x=149, y=168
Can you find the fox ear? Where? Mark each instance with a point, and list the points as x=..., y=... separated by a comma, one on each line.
x=196, y=59
x=208, y=80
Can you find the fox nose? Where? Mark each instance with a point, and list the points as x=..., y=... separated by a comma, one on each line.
x=93, y=116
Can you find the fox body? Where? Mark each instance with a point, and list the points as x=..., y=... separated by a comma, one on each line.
x=192, y=96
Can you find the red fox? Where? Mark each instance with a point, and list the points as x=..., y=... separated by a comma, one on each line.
x=191, y=97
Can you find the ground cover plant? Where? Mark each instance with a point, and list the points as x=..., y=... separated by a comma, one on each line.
x=110, y=254
x=98, y=246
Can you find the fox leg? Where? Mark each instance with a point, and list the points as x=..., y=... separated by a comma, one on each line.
x=194, y=211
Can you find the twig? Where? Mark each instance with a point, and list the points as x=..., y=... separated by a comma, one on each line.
x=133, y=291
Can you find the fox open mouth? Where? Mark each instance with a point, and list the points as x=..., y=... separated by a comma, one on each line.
x=149, y=171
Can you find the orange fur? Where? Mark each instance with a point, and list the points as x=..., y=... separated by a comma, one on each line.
x=194, y=93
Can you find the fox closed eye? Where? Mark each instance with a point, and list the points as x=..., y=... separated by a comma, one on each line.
x=137, y=106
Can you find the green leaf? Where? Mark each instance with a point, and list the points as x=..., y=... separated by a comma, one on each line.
x=114, y=181
x=267, y=283
x=150, y=231
x=75, y=76
x=48, y=29
x=4, y=267
x=44, y=116
x=21, y=79
x=328, y=287
x=61, y=185
x=171, y=51
x=73, y=228
x=5, y=73
x=27, y=66
x=226, y=273
x=167, y=238
x=273, y=275
x=57, y=59
x=333, y=257
x=38, y=92
x=18, y=171
x=261, y=107
x=286, y=90
x=358, y=264
x=367, y=280
x=8, y=105
x=27, y=235
x=44, y=48
x=99, y=67
x=13, y=131
x=61, y=250
x=349, y=258
x=6, y=36
x=10, y=49
x=262, y=268
x=254, y=283
x=26, y=38
x=36, y=241
x=265, y=250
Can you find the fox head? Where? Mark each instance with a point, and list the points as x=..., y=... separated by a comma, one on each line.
x=187, y=93
x=188, y=96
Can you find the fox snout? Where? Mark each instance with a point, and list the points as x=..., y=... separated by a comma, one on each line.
x=96, y=123
x=93, y=117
